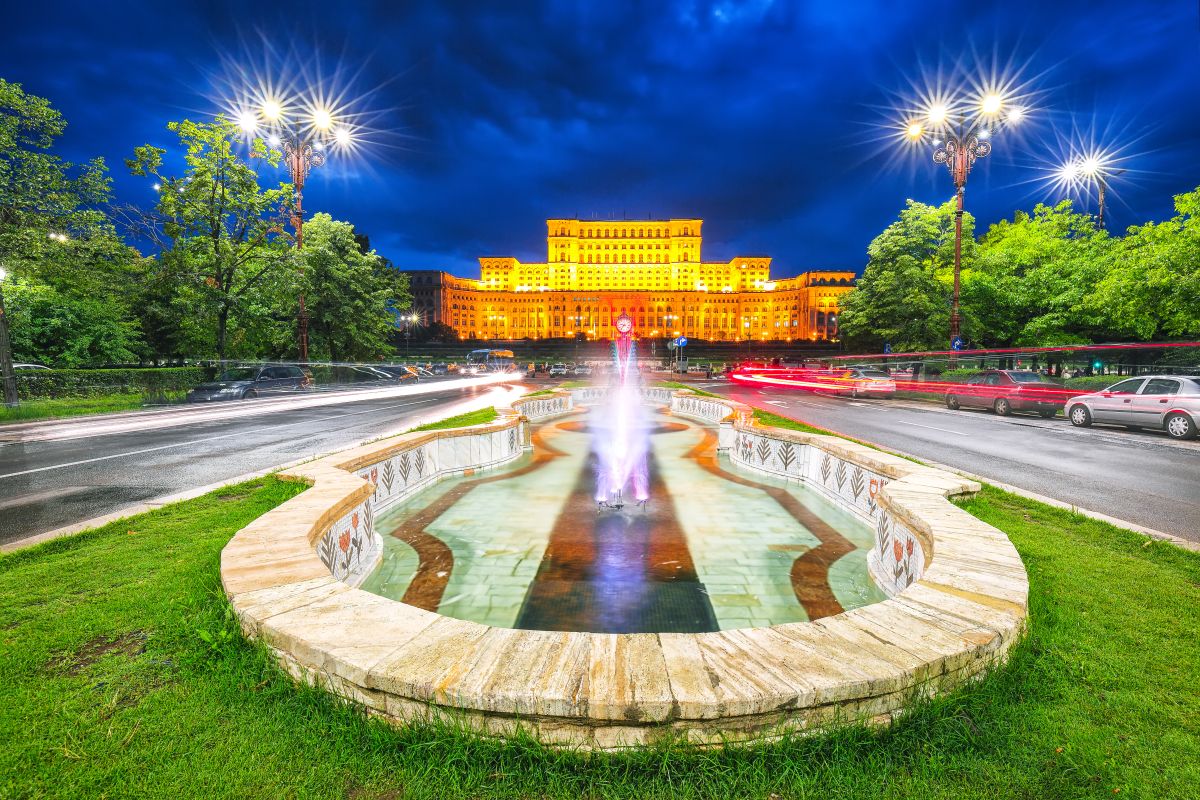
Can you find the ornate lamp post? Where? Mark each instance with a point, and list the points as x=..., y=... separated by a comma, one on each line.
x=961, y=135
x=304, y=141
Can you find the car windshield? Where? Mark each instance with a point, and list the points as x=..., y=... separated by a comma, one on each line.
x=239, y=374
x=1029, y=377
x=873, y=373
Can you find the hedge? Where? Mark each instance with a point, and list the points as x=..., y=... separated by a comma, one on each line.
x=48, y=384
x=1094, y=382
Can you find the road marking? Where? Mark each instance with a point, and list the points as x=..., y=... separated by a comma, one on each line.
x=932, y=428
x=775, y=402
x=201, y=441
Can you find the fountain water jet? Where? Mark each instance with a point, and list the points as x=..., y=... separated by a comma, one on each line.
x=620, y=431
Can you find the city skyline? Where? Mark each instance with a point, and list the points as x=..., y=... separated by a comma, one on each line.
x=481, y=122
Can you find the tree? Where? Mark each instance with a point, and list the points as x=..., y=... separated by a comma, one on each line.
x=40, y=194
x=52, y=328
x=221, y=236
x=1033, y=276
x=1152, y=287
x=903, y=297
x=348, y=291
x=71, y=272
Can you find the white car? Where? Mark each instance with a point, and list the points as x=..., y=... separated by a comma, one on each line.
x=558, y=371
x=1161, y=402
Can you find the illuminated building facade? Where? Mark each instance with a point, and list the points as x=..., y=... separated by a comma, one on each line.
x=651, y=270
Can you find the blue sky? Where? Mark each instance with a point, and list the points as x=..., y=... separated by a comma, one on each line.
x=766, y=119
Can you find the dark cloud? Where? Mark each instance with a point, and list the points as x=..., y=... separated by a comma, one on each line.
x=759, y=116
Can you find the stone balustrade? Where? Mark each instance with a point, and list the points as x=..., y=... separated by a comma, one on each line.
x=957, y=604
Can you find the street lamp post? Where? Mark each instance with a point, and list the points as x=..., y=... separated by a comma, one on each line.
x=7, y=376
x=1095, y=167
x=304, y=142
x=958, y=153
x=961, y=136
x=1097, y=172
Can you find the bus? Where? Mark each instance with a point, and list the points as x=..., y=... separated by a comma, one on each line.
x=481, y=361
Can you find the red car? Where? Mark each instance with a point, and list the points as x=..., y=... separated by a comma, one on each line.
x=1007, y=390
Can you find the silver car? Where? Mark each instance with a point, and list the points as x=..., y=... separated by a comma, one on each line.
x=1161, y=402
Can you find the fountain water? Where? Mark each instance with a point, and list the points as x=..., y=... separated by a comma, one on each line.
x=621, y=432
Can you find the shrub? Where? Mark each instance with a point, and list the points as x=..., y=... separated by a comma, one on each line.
x=48, y=384
x=1092, y=383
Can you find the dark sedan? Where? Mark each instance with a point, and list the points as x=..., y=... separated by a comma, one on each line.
x=1007, y=390
x=244, y=383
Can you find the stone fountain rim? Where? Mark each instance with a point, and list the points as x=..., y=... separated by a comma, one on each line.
x=607, y=691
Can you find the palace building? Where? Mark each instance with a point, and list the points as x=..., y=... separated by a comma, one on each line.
x=651, y=270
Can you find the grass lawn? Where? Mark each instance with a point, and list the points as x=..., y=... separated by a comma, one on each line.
x=678, y=385
x=30, y=410
x=476, y=417
x=122, y=674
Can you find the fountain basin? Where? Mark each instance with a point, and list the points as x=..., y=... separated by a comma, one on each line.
x=956, y=595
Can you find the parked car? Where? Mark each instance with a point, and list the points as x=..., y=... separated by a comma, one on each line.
x=244, y=383
x=582, y=370
x=400, y=373
x=558, y=371
x=1007, y=390
x=864, y=382
x=1160, y=402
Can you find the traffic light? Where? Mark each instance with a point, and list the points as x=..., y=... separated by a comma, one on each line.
x=1097, y=364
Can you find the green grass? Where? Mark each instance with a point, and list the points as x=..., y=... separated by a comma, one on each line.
x=122, y=674
x=574, y=384
x=477, y=417
x=774, y=420
x=678, y=385
x=30, y=410
x=538, y=393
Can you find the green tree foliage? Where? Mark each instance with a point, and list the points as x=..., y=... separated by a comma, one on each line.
x=1152, y=288
x=903, y=297
x=72, y=273
x=1044, y=278
x=49, y=327
x=224, y=248
x=347, y=289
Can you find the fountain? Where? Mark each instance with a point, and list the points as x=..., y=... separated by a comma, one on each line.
x=514, y=576
x=620, y=430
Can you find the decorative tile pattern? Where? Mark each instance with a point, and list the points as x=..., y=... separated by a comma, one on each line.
x=897, y=559
x=351, y=548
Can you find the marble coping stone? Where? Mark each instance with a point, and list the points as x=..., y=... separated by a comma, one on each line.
x=614, y=691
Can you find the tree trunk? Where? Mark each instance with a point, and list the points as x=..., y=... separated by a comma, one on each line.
x=222, y=328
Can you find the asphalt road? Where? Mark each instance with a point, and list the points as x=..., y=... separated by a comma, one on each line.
x=1140, y=477
x=54, y=475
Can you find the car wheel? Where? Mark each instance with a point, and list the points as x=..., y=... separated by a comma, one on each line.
x=1180, y=426
x=888, y=396
x=1047, y=414
x=951, y=402
x=1080, y=416
x=1002, y=407
x=249, y=394
x=854, y=393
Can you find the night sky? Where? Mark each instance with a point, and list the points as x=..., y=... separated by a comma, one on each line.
x=768, y=120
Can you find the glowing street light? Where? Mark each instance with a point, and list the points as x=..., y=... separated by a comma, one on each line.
x=961, y=132
x=304, y=137
x=1095, y=167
